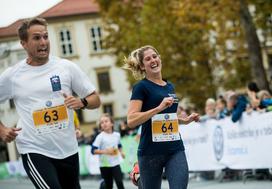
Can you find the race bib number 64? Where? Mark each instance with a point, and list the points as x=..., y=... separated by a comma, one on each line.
x=165, y=127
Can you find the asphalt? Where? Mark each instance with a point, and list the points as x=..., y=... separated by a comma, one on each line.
x=93, y=183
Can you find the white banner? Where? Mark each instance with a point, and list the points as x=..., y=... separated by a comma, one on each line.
x=211, y=145
x=216, y=144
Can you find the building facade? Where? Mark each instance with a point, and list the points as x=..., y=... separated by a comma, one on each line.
x=76, y=33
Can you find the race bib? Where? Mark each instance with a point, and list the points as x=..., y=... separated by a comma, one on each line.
x=50, y=116
x=165, y=127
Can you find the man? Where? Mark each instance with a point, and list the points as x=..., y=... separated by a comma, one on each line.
x=41, y=87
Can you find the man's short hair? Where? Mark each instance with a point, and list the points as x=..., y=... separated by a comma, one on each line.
x=22, y=30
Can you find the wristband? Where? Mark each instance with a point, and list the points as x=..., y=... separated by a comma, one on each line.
x=84, y=102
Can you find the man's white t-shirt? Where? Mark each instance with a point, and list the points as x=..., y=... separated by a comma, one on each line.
x=108, y=140
x=47, y=124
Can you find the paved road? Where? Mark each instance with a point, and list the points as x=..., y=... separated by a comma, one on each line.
x=93, y=183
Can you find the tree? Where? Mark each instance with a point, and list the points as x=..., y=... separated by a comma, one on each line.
x=254, y=47
x=132, y=24
x=202, y=43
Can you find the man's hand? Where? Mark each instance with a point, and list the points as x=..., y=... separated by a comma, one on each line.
x=72, y=102
x=8, y=134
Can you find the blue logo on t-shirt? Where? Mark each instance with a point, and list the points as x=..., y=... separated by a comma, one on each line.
x=55, y=83
x=48, y=103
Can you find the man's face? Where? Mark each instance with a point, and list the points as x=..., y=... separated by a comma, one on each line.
x=37, y=45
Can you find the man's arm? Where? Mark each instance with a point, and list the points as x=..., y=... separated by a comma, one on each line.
x=8, y=134
x=91, y=101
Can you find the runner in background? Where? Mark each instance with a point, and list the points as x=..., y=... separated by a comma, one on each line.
x=108, y=146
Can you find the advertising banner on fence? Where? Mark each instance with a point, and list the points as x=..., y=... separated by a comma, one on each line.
x=216, y=144
x=209, y=145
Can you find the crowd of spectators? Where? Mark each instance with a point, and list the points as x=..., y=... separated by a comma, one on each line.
x=233, y=104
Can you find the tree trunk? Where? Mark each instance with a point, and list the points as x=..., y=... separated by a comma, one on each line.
x=254, y=48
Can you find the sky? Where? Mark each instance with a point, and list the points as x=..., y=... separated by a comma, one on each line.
x=12, y=10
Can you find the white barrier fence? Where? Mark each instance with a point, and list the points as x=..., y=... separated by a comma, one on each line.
x=211, y=145
x=216, y=144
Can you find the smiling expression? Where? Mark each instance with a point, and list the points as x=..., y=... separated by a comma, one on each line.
x=151, y=62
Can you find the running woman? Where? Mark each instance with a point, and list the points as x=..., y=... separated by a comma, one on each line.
x=153, y=105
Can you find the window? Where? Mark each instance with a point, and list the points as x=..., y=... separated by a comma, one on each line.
x=11, y=104
x=104, y=82
x=108, y=108
x=66, y=42
x=96, y=38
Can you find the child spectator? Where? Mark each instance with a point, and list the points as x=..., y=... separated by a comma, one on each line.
x=221, y=108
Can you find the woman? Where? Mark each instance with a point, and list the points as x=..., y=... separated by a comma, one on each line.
x=153, y=105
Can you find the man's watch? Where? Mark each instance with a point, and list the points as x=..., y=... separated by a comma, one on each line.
x=84, y=102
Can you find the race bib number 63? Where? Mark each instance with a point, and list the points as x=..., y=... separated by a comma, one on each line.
x=51, y=117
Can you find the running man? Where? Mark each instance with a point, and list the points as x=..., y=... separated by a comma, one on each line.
x=41, y=87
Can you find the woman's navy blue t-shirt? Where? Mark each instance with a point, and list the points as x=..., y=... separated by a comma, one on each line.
x=152, y=94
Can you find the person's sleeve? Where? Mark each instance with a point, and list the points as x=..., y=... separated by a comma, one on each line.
x=266, y=102
x=96, y=144
x=93, y=148
x=81, y=83
x=238, y=111
x=138, y=92
x=76, y=120
x=119, y=141
x=5, y=85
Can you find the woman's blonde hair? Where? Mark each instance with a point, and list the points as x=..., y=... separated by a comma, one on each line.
x=135, y=61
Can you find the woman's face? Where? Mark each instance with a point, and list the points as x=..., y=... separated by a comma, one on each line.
x=152, y=62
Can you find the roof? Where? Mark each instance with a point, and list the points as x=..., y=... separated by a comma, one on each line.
x=71, y=7
x=63, y=9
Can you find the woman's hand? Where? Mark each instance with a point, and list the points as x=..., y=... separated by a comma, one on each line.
x=166, y=102
x=189, y=119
